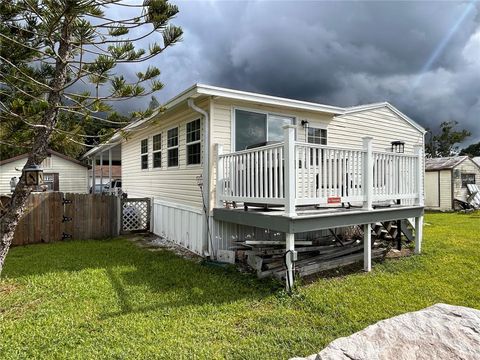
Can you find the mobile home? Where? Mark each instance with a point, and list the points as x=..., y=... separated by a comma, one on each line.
x=214, y=153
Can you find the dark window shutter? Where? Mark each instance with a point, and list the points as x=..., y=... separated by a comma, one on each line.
x=56, y=185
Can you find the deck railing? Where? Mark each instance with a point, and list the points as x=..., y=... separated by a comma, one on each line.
x=294, y=173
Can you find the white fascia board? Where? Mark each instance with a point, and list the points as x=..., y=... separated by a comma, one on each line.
x=389, y=106
x=266, y=99
x=110, y=143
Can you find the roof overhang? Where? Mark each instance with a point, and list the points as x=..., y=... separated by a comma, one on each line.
x=115, y=140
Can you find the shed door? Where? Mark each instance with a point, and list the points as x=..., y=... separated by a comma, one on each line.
x=432, y=190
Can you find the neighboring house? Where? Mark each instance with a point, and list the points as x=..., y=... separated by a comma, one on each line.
x=103, y=174
x=172, y=158
x=446, y=179
x=477, y=160
x=60, y=173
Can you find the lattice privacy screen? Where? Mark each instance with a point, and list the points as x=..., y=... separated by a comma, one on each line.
x=135, y=215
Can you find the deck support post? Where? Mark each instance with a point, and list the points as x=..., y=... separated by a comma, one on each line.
x=418, y=234
x=367, y=247
x=289, y=259
x=419, y=175
x=220, y=171
x=290, y=169
x=368, y=173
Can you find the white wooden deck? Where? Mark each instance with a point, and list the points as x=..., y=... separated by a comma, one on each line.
x=293, y=174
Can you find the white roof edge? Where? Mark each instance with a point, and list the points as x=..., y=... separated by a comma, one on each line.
x=389, y=106
x=113, y=141
x=266, y=99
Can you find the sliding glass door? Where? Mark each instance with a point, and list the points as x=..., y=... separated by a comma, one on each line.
x=253, y=128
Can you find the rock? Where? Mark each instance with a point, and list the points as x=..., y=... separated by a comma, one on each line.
x=440, y=331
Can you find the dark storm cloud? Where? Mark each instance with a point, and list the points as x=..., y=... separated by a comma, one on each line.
x=341, y=53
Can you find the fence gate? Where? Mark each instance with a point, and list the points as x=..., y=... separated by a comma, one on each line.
x=135, y=214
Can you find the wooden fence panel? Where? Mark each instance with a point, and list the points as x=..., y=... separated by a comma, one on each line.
x=81, y=216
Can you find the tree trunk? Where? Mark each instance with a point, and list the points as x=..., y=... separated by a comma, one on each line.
x=16, y=208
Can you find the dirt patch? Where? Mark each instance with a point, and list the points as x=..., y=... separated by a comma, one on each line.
x=156, y=243
x=8, y=288
x=394, y=253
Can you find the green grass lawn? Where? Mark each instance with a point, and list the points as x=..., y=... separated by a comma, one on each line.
x=112, y=299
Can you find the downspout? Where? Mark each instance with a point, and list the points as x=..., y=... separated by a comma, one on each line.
x=206, y=168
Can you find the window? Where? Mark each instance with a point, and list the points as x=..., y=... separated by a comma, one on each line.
x=157, y=151
x=193, y=142
x=252, y=128
x=317, y=136
x=468, y=179
x=50, y=181
x=47, y=163
x=144, y=154
x=172, y=147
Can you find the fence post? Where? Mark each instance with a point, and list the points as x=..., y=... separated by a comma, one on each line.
x=368, y=173
x=220, y=172
x=290, y=169
x=419, y=152
x=119, y=214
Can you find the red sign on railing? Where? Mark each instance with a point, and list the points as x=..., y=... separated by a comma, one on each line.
x=334, y=200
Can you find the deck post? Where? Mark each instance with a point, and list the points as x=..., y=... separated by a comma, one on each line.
x=290, y=169
x=220, y=172
x=289, y=258
x=368, y=173
x=418, y=234
x=367, y=247
x=419, y=152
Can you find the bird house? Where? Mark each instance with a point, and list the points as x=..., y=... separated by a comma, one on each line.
x=33, y=175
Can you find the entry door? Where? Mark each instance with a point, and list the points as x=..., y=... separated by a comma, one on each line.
x=432, y=190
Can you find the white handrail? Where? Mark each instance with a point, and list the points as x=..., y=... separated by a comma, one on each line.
x=293, y=173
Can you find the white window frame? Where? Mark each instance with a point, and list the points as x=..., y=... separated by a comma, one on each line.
x=316, y=127
x=174, y=147
x=233, y=141
x=193, y=143
x=157, y=151
x=142, y=154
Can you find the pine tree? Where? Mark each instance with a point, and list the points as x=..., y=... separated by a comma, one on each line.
x=50, y=47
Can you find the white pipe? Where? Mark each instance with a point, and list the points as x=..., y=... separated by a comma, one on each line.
x=206, y=162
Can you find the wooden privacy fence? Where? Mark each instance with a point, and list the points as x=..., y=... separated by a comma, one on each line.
x=56, y=216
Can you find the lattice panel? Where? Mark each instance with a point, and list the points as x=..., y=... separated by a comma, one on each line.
x=136, y=214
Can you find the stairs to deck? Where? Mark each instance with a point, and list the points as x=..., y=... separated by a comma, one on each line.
x=389, y=230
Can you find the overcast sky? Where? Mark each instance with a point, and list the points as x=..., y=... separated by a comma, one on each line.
x=423, y=57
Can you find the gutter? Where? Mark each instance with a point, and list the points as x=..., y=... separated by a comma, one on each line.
x=206, y=169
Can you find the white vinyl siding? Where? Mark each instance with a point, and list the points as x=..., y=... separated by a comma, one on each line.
x=175, y=184
x=381, y=124
x=72, y=176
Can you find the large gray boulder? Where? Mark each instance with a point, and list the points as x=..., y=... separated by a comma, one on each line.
x=438, y=332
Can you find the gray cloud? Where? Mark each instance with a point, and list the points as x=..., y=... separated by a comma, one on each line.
x=341, y=53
